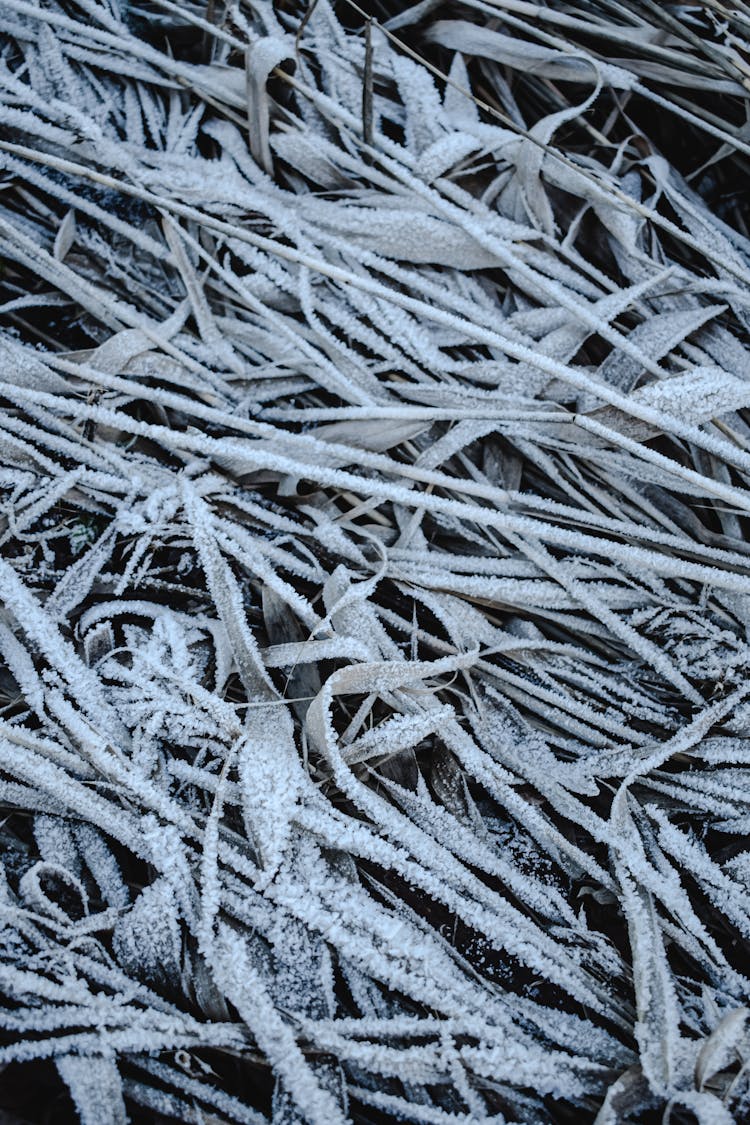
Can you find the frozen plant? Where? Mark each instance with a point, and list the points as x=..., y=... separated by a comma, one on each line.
x=374, y=588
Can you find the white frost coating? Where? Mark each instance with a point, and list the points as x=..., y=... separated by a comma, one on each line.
x=96, y=1089
x=702, y=394
x=374, y=588
x=262, y=57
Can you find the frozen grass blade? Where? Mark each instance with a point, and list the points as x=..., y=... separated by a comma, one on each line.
x=374, y=600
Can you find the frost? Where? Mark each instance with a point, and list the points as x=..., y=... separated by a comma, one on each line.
x=96, y=1089
x=374, y=590
x=147, y=937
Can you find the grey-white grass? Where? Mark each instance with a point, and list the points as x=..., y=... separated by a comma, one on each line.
x=375, y=577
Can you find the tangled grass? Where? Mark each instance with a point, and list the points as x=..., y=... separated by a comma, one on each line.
x=374, y=455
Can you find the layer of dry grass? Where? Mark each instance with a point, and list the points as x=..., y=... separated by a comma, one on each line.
x=374, y=456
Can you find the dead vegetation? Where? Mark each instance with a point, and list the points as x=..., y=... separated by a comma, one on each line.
x=374, y=457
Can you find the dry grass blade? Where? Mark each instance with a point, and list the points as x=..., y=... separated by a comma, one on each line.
x=375, y=590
